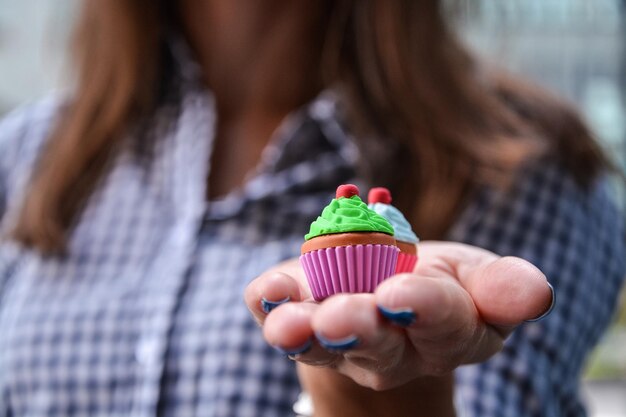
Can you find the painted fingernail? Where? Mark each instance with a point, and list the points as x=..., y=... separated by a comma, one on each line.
x=298, y=350
x=268, y=305
x=337, y=345
x=547, y=313
x=402, y=317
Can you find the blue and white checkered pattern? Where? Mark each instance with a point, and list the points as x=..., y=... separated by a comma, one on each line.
x=577, y=239
x=145, y=315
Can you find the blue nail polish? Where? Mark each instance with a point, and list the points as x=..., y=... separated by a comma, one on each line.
x=337, y=345
x=268, y=306
x=401, y=317
x=549, y=309
x=298, y=350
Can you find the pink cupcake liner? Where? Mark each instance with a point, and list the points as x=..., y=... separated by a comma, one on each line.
x=406, y=263
x=353, y=269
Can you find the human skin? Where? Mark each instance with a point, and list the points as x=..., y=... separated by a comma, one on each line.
x=466, y=301
x=261, y=62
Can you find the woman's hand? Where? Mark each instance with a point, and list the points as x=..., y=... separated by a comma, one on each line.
x=457, y=308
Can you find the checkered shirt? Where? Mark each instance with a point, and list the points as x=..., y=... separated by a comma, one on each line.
x=144, y=316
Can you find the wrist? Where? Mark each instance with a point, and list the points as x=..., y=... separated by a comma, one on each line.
x=334, y=394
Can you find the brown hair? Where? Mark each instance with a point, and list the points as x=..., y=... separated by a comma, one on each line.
x=449, y=125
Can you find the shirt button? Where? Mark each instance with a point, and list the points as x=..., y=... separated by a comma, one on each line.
x=146, y=352
x=179, y=235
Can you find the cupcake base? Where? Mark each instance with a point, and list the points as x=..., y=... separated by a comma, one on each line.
x=348, y=269
x=407, y=258
x=406, y=263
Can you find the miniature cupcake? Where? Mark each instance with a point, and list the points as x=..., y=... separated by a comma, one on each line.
x=349, y=248
x=379, y=200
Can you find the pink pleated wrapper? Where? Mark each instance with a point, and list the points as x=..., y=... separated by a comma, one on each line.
x=406, y=263
x=353, y=269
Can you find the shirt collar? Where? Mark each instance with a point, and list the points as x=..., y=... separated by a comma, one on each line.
x=310, y=150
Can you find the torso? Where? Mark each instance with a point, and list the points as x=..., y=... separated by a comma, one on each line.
x=145, y=315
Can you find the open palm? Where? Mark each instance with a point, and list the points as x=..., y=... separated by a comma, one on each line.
x=457, y=307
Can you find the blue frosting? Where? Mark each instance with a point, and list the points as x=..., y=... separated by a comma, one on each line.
x=401, y=227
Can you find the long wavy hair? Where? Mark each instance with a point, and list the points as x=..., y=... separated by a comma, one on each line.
x=447, y=124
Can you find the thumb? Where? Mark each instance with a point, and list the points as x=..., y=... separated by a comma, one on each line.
x=508, y=291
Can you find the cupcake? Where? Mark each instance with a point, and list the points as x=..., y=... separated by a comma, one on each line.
x=349, y=248
x=379, y=200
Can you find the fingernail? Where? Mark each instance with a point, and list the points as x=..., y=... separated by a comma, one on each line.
x=298, y=350
x=268, y=305
x=549, y=309
x=402, y=317
x=337, y=345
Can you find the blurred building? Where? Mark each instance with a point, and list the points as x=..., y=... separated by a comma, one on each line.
x=573, y=47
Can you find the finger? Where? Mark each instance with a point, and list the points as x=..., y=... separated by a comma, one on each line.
x=351, y=325
x=437, y=305
x=444, y=327
x=509, y=291
x=506, y=291
x=288, y=329
x=269, y=291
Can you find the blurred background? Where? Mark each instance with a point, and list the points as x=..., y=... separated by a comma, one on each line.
x=576, y=48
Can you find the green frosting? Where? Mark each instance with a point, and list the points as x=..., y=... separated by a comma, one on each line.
x=345, y=215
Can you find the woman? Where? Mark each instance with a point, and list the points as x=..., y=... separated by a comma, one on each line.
x=139, y=208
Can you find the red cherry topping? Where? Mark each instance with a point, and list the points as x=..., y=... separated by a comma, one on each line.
x=379, y=195
x=347, y=190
